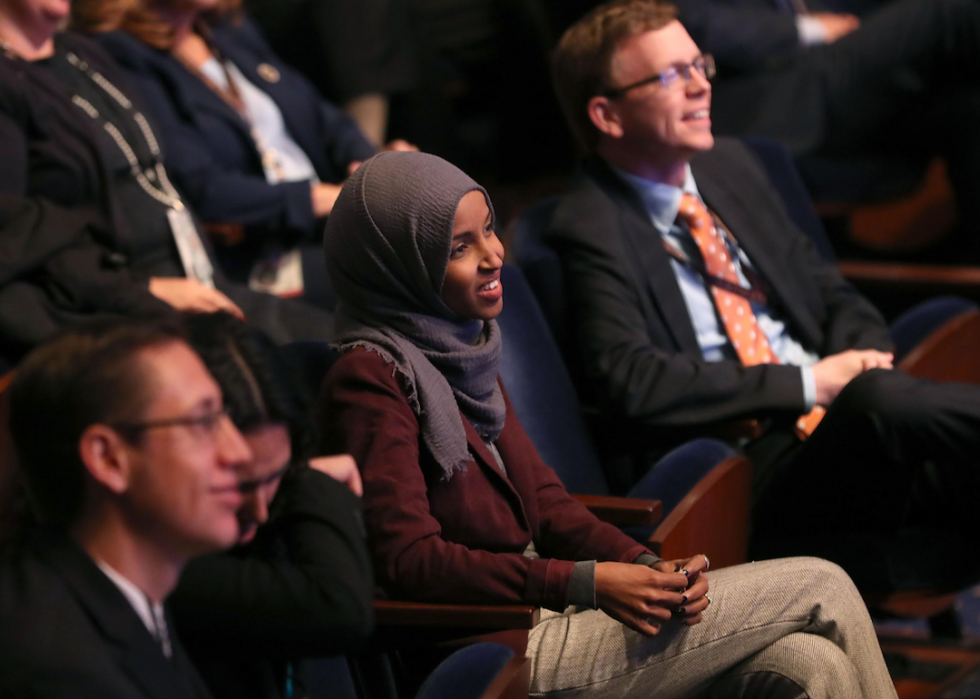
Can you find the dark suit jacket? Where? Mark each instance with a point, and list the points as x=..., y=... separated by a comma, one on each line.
x=49, y=152
x=210, y=151
x=66, y=631
x=459, y=540
x=632, y=326
x=64, y=252
x=302, y=588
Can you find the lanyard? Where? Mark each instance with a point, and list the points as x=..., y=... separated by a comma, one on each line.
x=164, y=192
x=755, y=292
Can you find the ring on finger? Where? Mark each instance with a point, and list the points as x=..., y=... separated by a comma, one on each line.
x=707, y=563
x=709, y=600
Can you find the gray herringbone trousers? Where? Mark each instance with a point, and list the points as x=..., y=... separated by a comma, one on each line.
x=800, y=617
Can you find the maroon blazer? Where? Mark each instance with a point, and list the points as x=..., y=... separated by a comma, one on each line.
x=459, y=540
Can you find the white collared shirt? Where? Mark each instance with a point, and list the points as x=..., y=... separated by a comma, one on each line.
x=150, y=613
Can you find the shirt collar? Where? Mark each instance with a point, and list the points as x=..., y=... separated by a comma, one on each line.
x=136, y=597
x=662, y=201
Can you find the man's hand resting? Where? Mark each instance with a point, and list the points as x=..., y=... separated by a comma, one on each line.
x=836, y=25
x=193, y=296
x=836, y=371
x=341, y=468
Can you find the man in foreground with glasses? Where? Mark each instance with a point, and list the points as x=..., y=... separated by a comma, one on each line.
x=132, y=466
x=696, y=301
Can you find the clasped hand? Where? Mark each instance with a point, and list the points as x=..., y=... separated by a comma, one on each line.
x=643, y=598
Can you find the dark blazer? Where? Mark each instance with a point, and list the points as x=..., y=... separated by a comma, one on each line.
x=210, y=151
x=459, y=540
x=632, y=326
x=64, y=252
x=49, y=152
x=67, y=632
x=302, y=588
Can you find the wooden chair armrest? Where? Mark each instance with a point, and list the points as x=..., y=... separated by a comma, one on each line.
x=623, y=512
x=949, y=353
x=713, y=518
x=932, y=279
x=512, y=682
x=480, y=617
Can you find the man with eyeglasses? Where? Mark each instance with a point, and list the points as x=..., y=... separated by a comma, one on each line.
x=132, y=467
x=695, y=302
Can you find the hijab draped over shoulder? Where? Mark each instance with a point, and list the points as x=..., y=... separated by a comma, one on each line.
x=387, y=247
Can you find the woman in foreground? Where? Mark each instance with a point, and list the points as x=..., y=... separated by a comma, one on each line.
x=459, y=506
x=298, y=583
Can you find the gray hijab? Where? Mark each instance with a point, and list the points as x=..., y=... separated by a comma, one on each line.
x=387, y=247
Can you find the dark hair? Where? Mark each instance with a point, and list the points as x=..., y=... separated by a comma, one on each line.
x=89, y=375
x=255, y=382
x=580, y=64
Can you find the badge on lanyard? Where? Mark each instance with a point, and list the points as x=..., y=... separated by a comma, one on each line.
x=193, y=255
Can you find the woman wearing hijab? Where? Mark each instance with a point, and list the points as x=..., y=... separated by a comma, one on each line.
x=460, y=508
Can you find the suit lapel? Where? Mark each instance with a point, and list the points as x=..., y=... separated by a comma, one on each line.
x=647, y=257
x=277, y=90
x=745, y=224
x=140, y=657
x=197, y=96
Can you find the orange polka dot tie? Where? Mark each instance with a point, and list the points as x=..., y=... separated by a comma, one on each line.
x=750, y=343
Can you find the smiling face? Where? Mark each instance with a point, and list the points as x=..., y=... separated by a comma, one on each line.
x=662, y=125
x=260, y=478
x=182, y=492
x=472, y=287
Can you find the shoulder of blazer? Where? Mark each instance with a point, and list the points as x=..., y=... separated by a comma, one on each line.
x=244, y=34
x=130, y=52
x=597, y=201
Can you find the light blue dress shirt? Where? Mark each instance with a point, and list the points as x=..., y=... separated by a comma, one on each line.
x=663, y=202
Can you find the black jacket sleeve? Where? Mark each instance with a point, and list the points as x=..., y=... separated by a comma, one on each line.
x=304, y=587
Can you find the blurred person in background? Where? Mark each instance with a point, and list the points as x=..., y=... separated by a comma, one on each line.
x=298, y=583
x=250, y=142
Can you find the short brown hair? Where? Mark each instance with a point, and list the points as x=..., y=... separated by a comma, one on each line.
x=88, y=375
x=141, y=18
x=581, y=63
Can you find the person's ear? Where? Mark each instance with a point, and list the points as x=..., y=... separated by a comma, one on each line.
x=605, y=116
x=106, y=457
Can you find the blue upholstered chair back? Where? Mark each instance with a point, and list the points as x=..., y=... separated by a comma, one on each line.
x=917, y=323
x=541, y=265
x=787, y=182
x=466, y=674
x=541, y=390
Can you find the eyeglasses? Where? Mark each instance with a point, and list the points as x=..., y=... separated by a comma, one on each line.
x=704, y=65
x=208, y=423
